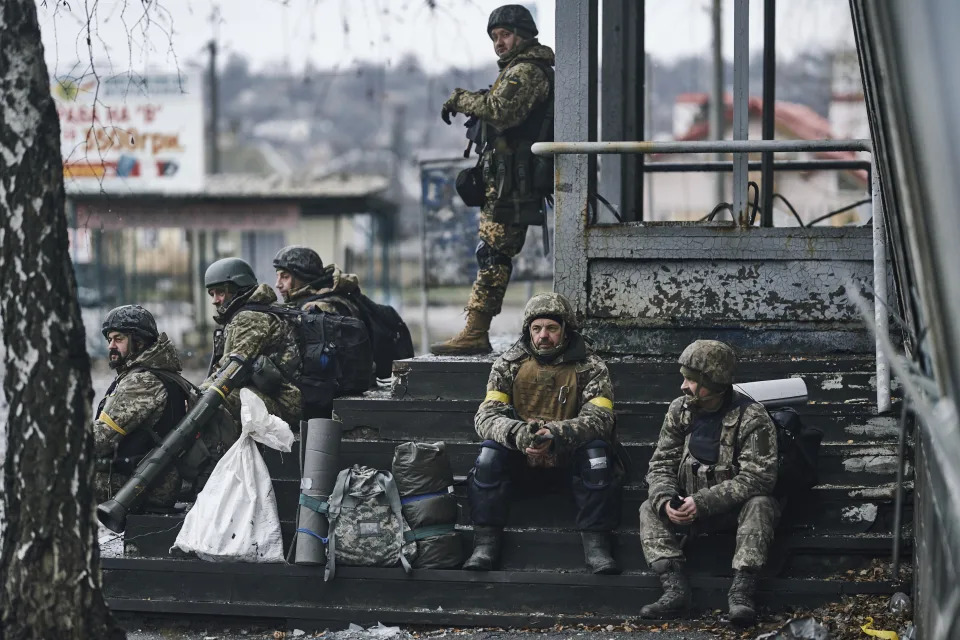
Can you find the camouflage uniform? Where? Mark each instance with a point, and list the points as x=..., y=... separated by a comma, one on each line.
x=583, y=427
x=521, y=86
x=736, y=490
x=251, y=334
x=135, y=401
x=335, y=287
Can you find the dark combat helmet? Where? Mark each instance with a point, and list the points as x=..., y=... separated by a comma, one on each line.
x=302, y=262
x=230, y=271
x=514, y=17
x=131, y=319
x=710, y=362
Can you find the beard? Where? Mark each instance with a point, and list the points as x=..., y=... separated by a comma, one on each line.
x=118, y=362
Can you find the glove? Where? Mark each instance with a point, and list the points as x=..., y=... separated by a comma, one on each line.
x=523, y=436
x=450, y=106
x=445, y=114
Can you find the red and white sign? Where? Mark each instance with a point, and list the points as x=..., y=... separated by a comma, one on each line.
x=131, y=134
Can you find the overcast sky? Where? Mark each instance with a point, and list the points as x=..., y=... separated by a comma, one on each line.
x=339, y=33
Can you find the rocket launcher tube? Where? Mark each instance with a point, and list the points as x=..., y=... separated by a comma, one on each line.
x=113, y=513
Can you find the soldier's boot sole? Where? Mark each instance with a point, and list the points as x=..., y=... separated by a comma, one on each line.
x=448, y=349
x=482, y=559
x=653, y=612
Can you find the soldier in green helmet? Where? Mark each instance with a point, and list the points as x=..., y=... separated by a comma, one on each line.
x=546, y=422
x=247, y=328
x=143, y=404
x=714, y=468
x=516, y=112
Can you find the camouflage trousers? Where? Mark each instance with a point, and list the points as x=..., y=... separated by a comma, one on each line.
x=499, y=244
x=754, y=523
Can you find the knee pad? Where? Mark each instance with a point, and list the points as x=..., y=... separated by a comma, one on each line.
x=488, y=257
x=490, y=466
x=595, y=464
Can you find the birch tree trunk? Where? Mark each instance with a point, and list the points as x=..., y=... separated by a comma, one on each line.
x=49, y=560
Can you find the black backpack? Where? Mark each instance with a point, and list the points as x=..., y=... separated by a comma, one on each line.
x=798, y=450
x=388, y=333
x=336, y=357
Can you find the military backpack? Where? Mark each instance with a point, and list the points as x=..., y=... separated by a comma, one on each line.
x=366, y=523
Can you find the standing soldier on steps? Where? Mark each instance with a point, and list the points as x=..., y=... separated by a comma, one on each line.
x=714, y=468
x=547, y=424
x=515, y=113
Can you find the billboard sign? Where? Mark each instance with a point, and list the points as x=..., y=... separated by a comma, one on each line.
x=123, y=134
x=450, y=232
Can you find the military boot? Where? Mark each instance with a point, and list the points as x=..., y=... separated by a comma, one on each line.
x=596, y=552
x=486, y=549
x=473, y=340
x=743, y=611
x=676, y=597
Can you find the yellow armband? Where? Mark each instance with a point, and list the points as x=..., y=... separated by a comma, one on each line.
x=603, y=403
x=499, y=396
x=107, y=420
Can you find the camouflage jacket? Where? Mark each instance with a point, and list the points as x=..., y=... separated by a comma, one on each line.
x=251, y=334
x=137, y=398
x=520, y=87
x=336, y=287
x=497, y=420
x=746, y=465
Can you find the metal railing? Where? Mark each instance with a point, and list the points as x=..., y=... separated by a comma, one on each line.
x=775, y=146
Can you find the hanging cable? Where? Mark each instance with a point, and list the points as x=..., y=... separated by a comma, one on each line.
x=839, y=211
x=792, y=210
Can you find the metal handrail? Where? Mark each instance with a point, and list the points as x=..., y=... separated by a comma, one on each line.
x=698, y=146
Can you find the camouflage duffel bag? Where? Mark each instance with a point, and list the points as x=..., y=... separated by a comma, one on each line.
x=366, y=524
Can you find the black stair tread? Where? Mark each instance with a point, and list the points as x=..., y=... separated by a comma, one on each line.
x=863, y=464
x=438, y=597
x=668, y=364
x=636, y=421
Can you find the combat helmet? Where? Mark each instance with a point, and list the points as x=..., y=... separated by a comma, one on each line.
x=302, y=262
x=709, y=362
x=514, y=17
x=131, y=319
x=230, y=271
x=550, y=305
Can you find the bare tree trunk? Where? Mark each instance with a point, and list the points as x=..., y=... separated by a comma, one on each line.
x=49, y=561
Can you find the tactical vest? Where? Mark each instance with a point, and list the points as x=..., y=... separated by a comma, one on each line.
x=694, y=474
x=523, y=180
x=134, y=446
x=545, y=392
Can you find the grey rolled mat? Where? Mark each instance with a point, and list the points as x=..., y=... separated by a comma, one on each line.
x=319, y=456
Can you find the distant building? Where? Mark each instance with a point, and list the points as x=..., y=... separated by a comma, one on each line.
x=690, y=196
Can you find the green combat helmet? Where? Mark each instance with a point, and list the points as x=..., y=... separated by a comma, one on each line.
x=302, y=263
x=552, y=305
x=230, y=271
x=131, y=319
x=710, y=362
x=514, y=17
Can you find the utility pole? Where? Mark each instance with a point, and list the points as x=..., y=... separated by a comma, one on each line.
x=717, y=106
x=214, y=133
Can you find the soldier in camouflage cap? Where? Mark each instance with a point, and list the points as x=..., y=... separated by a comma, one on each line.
x=303, y=281
x=143, y=404
x=714, y=468
x=547, y=422
x=516, y=112
x=247, y=328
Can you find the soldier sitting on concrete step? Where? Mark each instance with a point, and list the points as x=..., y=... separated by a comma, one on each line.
x=714, y=469
x=143, y=404
x=248, y=329
x=304, y=281
x=548, y=426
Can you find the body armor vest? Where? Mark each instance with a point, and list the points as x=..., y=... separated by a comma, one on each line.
x=134, y=446
x=696, y=474
x=547, y=393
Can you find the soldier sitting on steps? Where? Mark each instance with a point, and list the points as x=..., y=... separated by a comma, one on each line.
x=547, y=424
x=714, y=468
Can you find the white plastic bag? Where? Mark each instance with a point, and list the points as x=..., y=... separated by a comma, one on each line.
x=235, y=516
